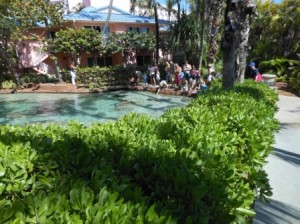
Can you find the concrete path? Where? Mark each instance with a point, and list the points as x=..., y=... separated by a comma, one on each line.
x=283, y=168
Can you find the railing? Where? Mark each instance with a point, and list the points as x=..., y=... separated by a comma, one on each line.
x=44, y=68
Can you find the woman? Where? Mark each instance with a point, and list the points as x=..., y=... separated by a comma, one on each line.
x=152, y=71
x=177, y=71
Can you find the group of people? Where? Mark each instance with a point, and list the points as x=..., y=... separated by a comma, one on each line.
x=186, y=77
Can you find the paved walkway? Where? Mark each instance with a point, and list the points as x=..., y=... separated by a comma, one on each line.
x=283, y=168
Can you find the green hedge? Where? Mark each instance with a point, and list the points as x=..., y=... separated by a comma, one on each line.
x=198, y=164
x=98, y=77
x=32, y=77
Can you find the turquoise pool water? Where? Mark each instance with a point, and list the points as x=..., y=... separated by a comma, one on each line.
x=28, y=108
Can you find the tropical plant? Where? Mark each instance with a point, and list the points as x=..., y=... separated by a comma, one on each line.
x=149, y=4
x=132, y=42
x=275, y=32
x=185, y=38
x=74, y=42
x=9, y=84
x=285, y=70
x=17, y=18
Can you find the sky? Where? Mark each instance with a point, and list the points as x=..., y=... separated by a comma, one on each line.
x=182, y=3
x=124, y=4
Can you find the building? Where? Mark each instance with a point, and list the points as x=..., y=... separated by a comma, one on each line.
x=31, y=52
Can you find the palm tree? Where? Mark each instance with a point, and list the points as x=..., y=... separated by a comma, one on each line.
x=199, y=7
x=170, y=4
x=105, y=28
x=235, y=40
x=214, y=19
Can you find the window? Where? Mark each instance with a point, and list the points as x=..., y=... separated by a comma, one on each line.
x=101, y=61
x=138, y=29
x=100, y=29
x=143, y=60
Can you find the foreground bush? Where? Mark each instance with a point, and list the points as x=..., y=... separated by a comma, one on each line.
x=199, y=164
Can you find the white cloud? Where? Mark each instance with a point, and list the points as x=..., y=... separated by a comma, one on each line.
x=121, y=4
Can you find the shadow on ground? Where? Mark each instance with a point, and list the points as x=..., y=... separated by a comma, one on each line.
x=287, y=156
x=275, y=212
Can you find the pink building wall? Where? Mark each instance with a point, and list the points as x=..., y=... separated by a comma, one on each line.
x=32, y=55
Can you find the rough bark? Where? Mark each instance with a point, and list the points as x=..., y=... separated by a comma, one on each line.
x=235, y=42
x=214, y=19
x=156, y=33
x=245, y=12
x=203, y=16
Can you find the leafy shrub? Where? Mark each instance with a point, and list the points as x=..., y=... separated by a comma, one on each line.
x=98, y=77
x=9, y=84
x=286, y=70
x=199, y=164
x=36, y=78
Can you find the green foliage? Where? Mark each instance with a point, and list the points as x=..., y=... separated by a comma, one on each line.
x=74, y=42
x=277, y=66
x=18, y=17
x=199, y=164
x=133, y=41
x=286, y=70
x=275, y=30
x=98, y=77
x=294, y=76
x=185, y=39
x=36, y=78
x=9, y=84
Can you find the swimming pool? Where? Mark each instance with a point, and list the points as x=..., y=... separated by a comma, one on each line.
x=28, y=108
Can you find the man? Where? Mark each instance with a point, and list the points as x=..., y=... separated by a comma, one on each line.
x=253, y=70
x=187, y=69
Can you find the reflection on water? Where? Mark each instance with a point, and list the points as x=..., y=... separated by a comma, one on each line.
x=86, y=108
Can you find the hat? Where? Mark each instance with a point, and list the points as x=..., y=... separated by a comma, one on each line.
x=251, y=64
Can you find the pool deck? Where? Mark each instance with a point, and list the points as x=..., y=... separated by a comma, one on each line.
x=69, y=88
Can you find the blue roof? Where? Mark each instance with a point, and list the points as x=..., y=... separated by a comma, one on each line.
x=117, y=15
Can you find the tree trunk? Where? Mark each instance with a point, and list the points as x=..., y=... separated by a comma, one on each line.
x=245, y=12
x=156, y=33
x=235, y=40
x=201, y=48
x=178, y=11
x=229, y=67
x=214, y=24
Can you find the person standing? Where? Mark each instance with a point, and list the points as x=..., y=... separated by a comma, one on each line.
x=172, y=72
x=152, y=71
x=177, y=72
x=187, y=69
x=195, y=77
x=157, y=75
x=168, y=72
x=73, y=73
